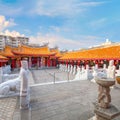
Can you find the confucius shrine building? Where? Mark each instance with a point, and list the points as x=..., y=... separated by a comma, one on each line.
x=14, y=49
x=100, y=54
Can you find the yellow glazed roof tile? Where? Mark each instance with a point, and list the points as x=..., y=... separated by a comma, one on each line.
x=112, y=52
x=33, y=51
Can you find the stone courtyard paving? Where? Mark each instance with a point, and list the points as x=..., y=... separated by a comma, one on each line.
x=71, y=100
x=66, y=101
x=7, y=108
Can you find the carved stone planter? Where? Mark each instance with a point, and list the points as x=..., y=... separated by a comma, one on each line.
x=104, y=97
x=103, y=110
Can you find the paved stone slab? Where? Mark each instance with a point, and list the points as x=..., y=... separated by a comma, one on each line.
x=64, y=101
x=7, y=108
x=68, y=100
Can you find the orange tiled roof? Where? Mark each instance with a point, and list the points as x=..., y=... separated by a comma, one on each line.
x=58, y=54
x=33, y=51
x=7, y=52
x=111, y=52
x=3, y=58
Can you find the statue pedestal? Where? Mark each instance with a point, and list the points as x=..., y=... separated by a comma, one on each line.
x=103, y=109
x=105, y=114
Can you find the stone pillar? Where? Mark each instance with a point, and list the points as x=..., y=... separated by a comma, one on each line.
x=24, y=89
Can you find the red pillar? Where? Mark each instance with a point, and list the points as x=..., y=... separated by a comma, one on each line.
x=13, y=64
x=40, y=62
x=67, y=63
x=48, y=62
x=45, y=61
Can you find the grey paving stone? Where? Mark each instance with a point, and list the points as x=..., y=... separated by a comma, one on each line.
x=63, y=101
x=7, y=108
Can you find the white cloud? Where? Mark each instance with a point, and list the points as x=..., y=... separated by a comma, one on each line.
x=12, y=33
x=5, y=23
x=55, y=28
x=98, y=23
x=62, y=7
x=8, y=11
x=64, y=43
x=90, y=4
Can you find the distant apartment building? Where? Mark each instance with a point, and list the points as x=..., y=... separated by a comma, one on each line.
x=12, y=41
x=2, y=42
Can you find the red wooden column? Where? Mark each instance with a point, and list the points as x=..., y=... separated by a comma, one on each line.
x=48, y=62
x=13, y=64
x=55, y=62
x=78, y=63
x=67, y=63
x=85, y=64
x=40, y=62
x=45, y=62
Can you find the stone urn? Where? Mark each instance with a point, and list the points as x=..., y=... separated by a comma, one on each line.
x=118, y=79
x=104, y=97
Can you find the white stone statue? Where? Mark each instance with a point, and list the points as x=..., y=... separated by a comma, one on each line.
x=104, y=67
x=111, y=70
x=83, y=68
x=88, y=74
x=61, y=67
x=97, y=73
x=74, y=70
x=87, y=67
x=68, y=68
x=71, y=69
x=24, y=88
x=77, y=76
x=11, y=85
x=83, y=74
x=96, y=66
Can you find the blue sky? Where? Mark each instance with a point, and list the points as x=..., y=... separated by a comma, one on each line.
x=72, y=24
